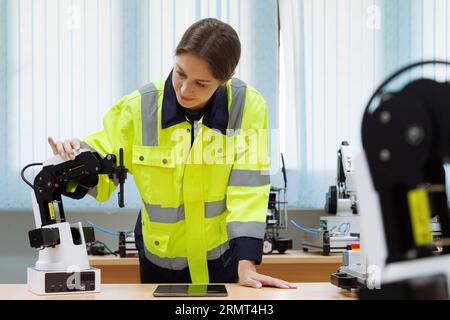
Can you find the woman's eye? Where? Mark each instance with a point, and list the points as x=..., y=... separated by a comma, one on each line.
x=200, y=85
x=181, y=74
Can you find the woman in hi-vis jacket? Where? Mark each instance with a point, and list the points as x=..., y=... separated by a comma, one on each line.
x=196, y=143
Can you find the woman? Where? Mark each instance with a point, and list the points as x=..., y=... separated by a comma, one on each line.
x=189, y=141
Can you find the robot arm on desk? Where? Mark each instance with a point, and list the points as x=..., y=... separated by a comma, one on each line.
x=406, y=140
x=341, y=198
x=71, y=178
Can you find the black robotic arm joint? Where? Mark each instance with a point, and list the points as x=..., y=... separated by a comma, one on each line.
x=406, y=139
x=74, y=179
x=44, y=237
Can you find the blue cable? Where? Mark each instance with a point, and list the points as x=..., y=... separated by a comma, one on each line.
x=111, y=233
x=347, y=227
x=304, y=229
x=332, y=229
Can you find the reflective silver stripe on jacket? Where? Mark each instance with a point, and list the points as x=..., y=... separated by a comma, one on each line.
x=181, y=262
x=248, y=178
x=149, y=114
x=156, y=213
x=250, y=229
x=238, y=95
x=149, y=111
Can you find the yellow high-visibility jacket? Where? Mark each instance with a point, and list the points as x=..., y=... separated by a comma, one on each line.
x=196, y=194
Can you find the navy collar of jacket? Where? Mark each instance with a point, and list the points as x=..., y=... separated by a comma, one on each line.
x=215, y=117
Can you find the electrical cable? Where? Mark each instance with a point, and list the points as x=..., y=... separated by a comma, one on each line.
x=346, y=226
x=104, y=244
x=304, y=229
x=111, y=233
x=22, y=174
x=396, y=74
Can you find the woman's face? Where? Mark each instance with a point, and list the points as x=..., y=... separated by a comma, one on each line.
x=193, y=82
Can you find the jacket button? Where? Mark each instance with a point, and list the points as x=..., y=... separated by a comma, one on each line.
x=164, y=160
x=156, y=243
x=141, y=158
x=219, y=150
x=188, y=130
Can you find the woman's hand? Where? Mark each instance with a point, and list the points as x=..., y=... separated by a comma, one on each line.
x=67, y=148
x=250, y=278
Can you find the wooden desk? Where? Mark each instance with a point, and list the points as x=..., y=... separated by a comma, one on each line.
x=299, y=266
x=304, y=291
x=115, y=269
x=293, y=266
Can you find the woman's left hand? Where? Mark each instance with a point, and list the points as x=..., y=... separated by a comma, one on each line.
x=250, y=278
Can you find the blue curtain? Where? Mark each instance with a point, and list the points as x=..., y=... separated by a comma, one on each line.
x=342, y=50
x=63, y=63
x=3, y=95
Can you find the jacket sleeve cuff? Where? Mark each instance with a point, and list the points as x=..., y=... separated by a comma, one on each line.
x=246, y=248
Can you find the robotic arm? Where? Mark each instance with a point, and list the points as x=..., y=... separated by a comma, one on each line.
x=341, y=198
x=62, y=247
x=57, y=176
x=406, y=140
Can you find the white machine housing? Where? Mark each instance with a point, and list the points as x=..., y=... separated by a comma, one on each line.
x=344, y=205
x=343, y=224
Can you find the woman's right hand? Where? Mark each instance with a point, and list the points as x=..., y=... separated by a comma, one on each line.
x=67, y=148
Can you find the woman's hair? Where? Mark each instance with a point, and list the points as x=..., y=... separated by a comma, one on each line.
x=215, y=42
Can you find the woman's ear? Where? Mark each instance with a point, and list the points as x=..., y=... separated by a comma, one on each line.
x=231, y=77
x=223, y=83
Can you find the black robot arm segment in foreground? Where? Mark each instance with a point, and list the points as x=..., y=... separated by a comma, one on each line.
x=407, y=142
x=72, y=178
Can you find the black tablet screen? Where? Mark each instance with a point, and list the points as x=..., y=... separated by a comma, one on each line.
x=190, y=290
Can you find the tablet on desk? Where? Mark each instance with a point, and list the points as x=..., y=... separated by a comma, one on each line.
x=191, y=290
